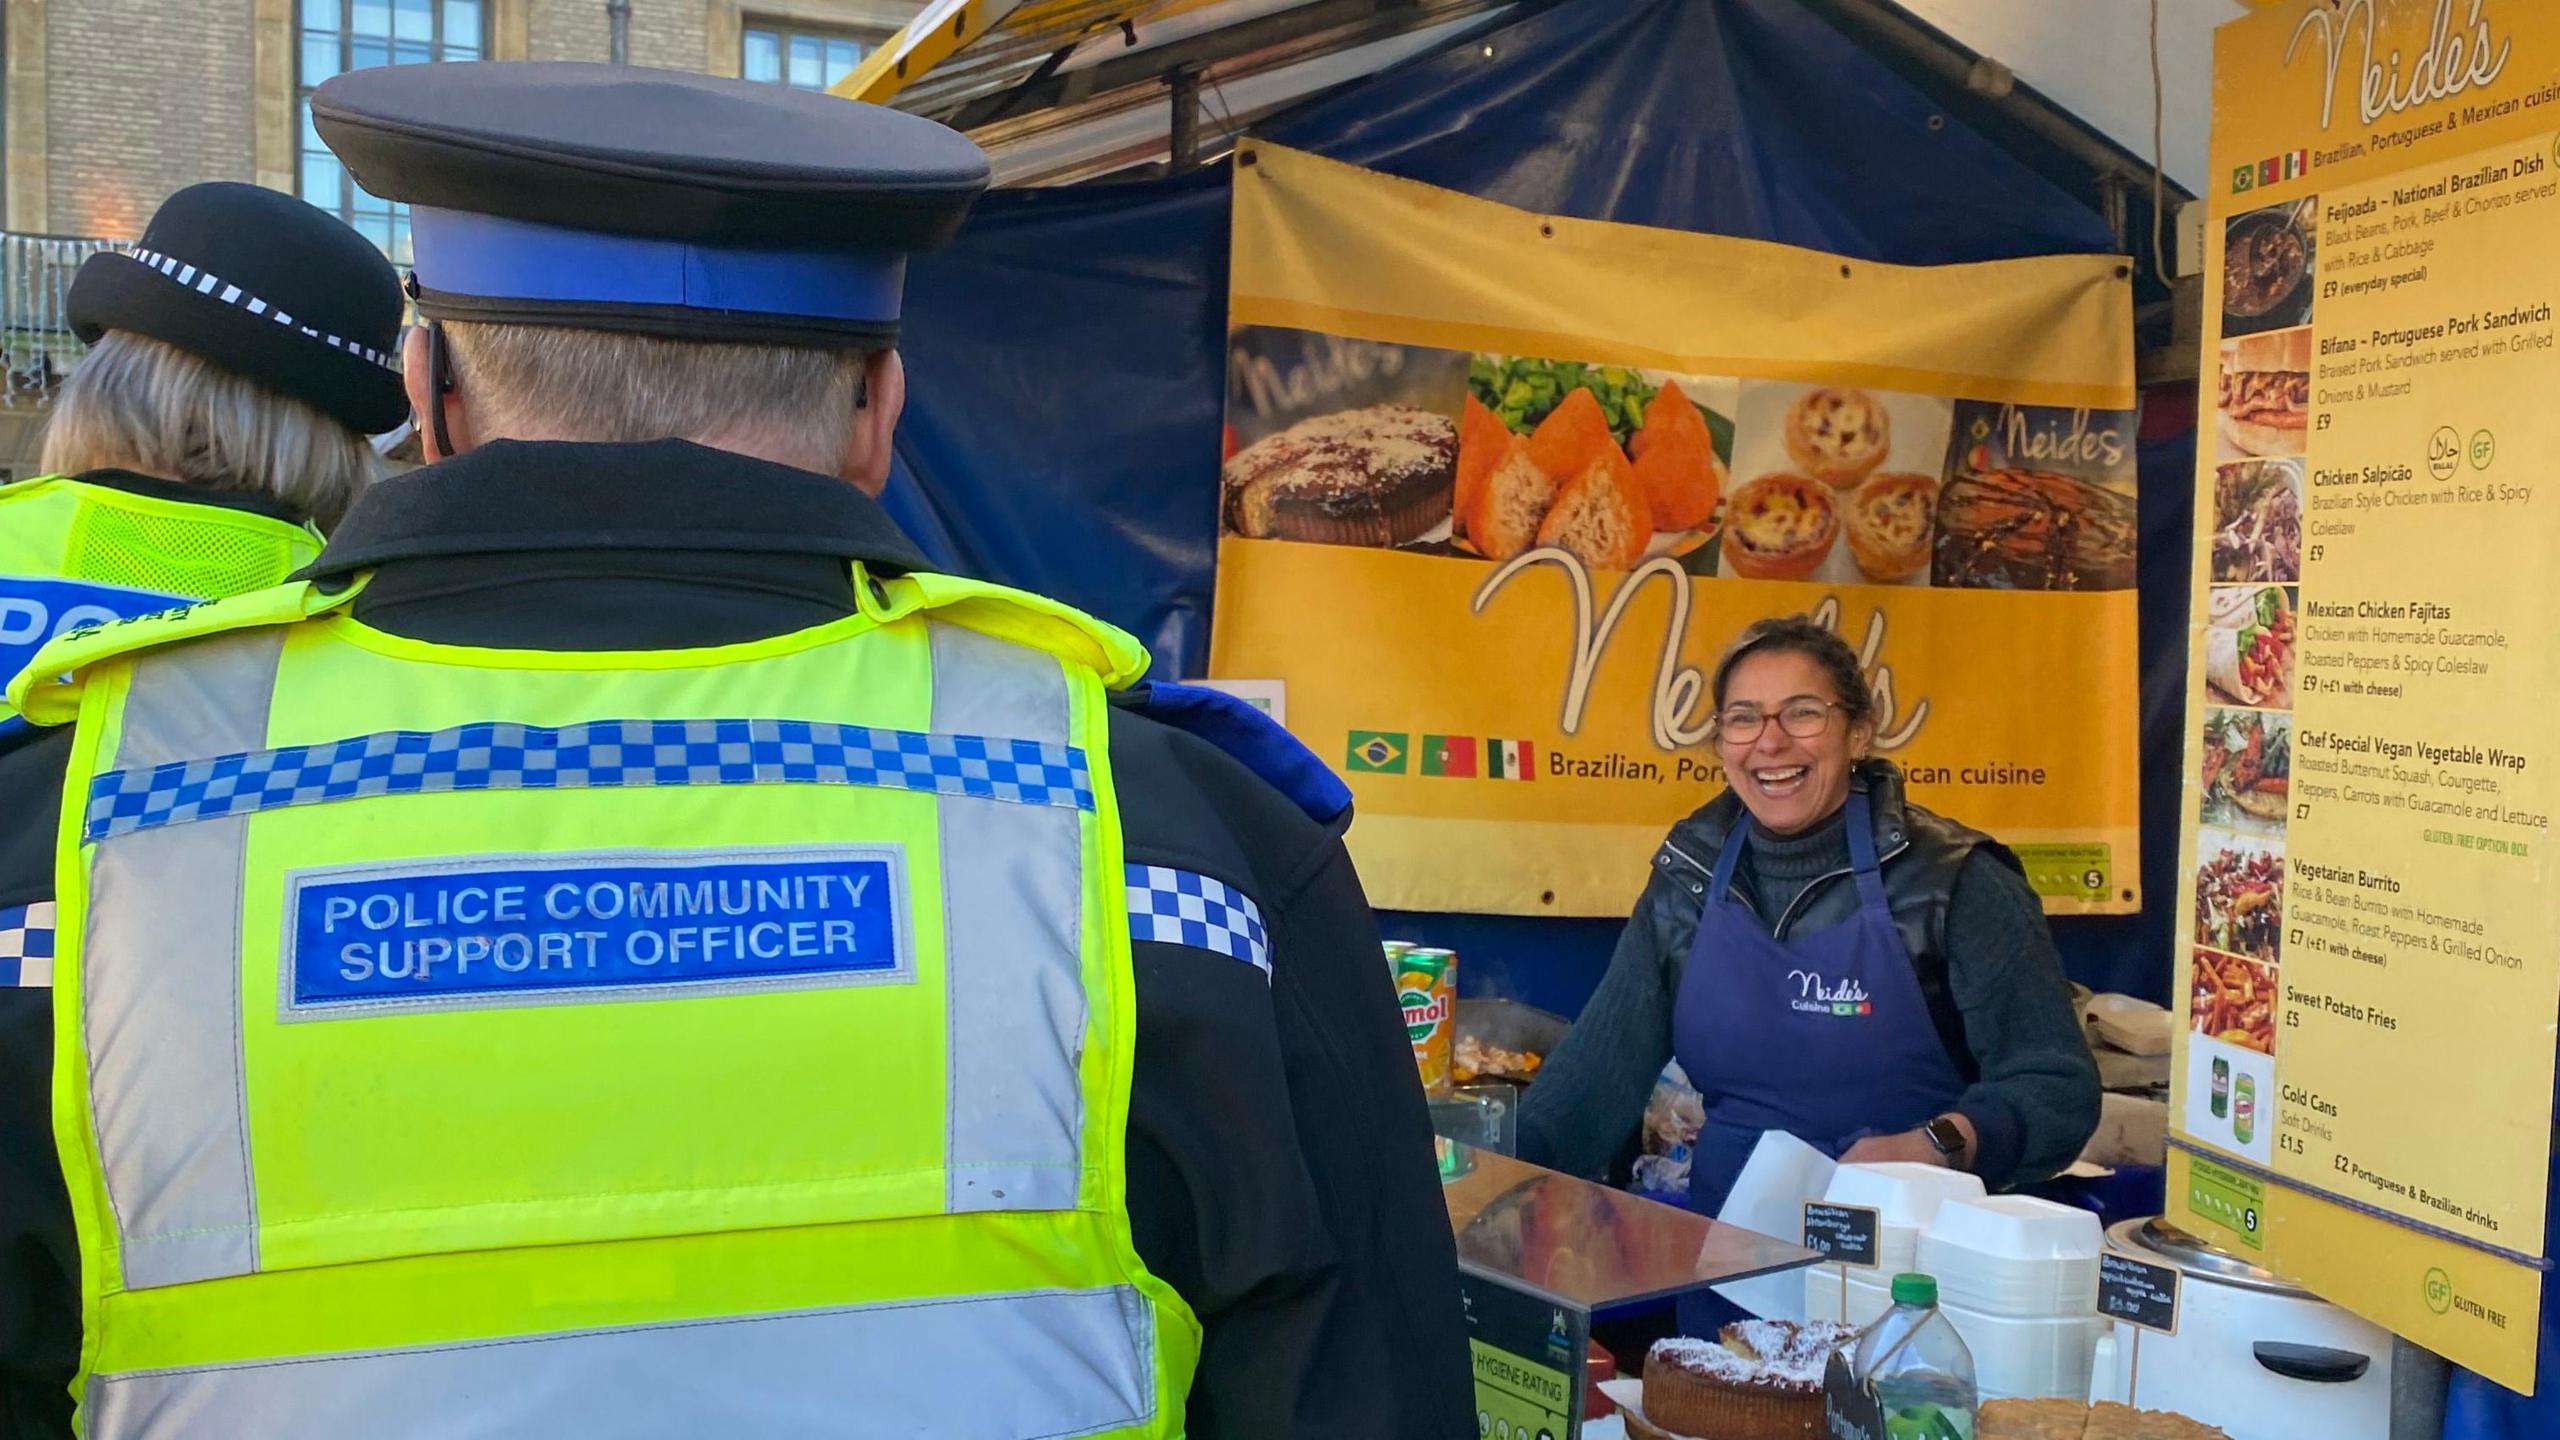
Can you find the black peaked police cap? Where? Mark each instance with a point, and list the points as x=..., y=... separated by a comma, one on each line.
x=262, y=285
x=609, y=197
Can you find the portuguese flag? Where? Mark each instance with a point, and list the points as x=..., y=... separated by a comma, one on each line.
x=1510, y=760
x=1450, y=755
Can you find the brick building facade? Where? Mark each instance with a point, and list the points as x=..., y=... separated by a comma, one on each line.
x=112, y=104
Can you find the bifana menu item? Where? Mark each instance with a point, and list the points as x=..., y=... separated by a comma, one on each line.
x=2368, y=987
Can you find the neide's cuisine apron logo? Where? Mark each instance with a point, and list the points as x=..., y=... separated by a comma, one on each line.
x=1816, y=996
x=2452, y=61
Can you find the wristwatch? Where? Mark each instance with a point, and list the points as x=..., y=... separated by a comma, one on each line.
x=1946, y=1137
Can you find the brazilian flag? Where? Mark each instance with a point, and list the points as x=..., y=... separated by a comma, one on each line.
x=1377, y=752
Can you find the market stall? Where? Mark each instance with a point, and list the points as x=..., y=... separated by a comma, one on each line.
x=1687, y=118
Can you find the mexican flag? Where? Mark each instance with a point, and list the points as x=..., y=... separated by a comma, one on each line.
x=1450, y=755
x=1510, y=760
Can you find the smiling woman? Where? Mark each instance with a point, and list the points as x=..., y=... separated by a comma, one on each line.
x=1825, y=959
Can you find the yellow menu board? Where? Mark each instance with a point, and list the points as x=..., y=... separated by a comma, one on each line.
x=2363, y=1082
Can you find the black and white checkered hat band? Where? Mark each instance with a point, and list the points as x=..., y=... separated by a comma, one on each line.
x=205, y=282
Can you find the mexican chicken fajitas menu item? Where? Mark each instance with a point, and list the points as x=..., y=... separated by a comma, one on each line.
x=2249, y=646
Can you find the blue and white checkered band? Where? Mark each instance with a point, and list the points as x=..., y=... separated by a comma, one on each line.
x=205, y=282
x=1178, y=907
x=596, y=754
x=26, y=945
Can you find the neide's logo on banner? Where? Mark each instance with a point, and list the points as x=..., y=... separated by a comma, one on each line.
x=2390, y=78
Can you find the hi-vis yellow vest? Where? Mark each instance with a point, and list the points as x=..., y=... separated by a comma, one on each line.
x=731, y=1041
x=75, y=554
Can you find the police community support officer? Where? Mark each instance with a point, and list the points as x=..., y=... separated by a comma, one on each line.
x=622, y=948
x=239, y=355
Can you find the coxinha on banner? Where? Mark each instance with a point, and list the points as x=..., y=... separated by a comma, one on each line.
x=1500, y=486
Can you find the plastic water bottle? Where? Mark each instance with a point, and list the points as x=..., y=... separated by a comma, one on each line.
x=1921, y=1371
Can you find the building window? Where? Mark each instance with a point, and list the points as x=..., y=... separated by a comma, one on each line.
x=801, y=58
x=341, y=35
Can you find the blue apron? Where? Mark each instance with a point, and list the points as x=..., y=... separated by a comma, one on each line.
x=1825, y=1036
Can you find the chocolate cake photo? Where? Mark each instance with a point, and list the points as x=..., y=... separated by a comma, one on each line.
x=1381, y=476
x=1337, y=441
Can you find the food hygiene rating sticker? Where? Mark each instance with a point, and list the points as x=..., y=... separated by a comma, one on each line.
x=481, y=931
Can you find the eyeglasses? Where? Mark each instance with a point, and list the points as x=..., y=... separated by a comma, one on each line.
x=1803, y=719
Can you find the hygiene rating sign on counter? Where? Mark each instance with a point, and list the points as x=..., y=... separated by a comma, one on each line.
x=1500, y=487
x=2364, y=1079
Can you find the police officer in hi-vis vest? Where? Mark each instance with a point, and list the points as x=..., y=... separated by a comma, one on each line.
x=618, y=947
x=239, y=355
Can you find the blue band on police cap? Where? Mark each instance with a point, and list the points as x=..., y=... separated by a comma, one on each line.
x=490, y=257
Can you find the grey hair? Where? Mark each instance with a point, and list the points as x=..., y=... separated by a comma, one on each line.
x=543, y=382
x=1801, y=635
x=135, y=403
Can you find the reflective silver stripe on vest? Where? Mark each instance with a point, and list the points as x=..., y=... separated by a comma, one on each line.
x=160, y=975
x=160, y=987
x=1049, y=1364
x=1013, y=882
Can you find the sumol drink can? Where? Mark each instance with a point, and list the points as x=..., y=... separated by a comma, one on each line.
x=1427, y=988
x=2244, y=1109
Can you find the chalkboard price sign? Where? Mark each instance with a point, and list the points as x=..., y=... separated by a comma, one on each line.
x=1844, y=1234
x=2138, y=1293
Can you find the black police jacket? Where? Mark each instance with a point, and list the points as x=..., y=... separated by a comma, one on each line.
x=1280, y=1163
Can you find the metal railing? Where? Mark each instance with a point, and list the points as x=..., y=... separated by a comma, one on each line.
x=37, y=347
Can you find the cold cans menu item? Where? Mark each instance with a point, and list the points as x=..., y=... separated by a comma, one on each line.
x=1427, y=988
x=2244, y=1109
x=2221, y=1087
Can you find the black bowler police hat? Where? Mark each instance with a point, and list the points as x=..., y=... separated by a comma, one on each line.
x=609, y=197
x=264, y=286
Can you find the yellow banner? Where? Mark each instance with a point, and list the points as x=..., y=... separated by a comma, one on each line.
x=2363, y=1083
x=1499, y=487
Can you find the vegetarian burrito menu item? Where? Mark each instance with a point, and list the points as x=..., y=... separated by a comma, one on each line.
x=2248, y=647
x=2240, y=901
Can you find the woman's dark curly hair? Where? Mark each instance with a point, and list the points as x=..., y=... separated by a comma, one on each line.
x=1799, y=635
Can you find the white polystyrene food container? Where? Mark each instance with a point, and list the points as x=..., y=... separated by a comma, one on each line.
x=1904, y=1196
x=2015, y=1359
x=2011, y=1255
